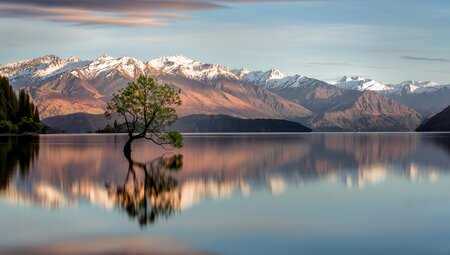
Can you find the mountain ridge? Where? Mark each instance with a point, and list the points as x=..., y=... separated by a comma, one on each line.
x=202, y=71
x=406, y=87
x=196, y=123
x=438, y=123
x=68, y=86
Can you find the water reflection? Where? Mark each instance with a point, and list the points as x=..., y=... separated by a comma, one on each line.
x=154, y=195
x=17, y=153
x=70, y=169
x=443, y=141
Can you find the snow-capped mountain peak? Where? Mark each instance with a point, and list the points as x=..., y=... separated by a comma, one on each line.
x=353, y=78
x=263, y=77
x=14, y=67
x=240, y=73
x=267, y=79
x=106, y=65
x=104, y=57
x=190, y=68
x=40, y=69
x=275, y=74
x=407, y=87
x=419, y=83
x=274, y=79
x=56, y=66
x=22, y=72
x=362, y=83
x=171, y=61
x=73, y=59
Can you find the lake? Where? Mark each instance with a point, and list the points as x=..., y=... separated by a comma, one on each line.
x=337, y=193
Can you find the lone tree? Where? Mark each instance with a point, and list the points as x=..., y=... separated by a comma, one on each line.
x=148, y=109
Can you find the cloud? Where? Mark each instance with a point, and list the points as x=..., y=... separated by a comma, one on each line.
x=426, y=59
x=133, y=5
x=439, y=71
x=350, y=65
x=330, y=64
x=120, y=5
x=84, y=17
x=113, y=12
x=395, y=50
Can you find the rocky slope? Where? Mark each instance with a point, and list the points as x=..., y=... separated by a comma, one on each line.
x=337, y=109
x=427, y=104
x=427, y=98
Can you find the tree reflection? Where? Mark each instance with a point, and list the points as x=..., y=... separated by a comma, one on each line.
x=149, y=193
x=17, y=153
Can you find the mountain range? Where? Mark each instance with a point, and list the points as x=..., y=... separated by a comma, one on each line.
x=68, y=86
x=427, y=97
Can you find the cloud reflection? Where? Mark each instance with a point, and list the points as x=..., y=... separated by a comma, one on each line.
x=118, y=245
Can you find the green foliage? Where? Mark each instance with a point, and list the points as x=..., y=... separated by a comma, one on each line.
x=7, y=127
x=18, y=113
x=175, y=138
x=8, y=101
x=148, y=108
x=27, y=124
x=107, y=130
x=36, y=117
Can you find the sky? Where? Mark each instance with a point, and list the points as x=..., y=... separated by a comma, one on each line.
x=388, y=40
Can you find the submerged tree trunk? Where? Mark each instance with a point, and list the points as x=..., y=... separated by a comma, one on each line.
x=127, y=148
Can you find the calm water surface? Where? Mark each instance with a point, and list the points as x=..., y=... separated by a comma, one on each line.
x=227, y=194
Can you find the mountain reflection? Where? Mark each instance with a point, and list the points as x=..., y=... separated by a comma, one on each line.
x=70, y=169
x=443, y=141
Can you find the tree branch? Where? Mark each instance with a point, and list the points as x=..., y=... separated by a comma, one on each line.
x=126, y=122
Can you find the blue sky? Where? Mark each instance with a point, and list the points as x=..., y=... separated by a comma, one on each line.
x=390, y=41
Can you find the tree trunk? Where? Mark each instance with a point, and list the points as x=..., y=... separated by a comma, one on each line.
x=127, y=148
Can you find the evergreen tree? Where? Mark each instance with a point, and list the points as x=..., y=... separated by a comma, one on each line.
x=17, y=114
x=36, y=117
x=22, y=107
x=8, y=100
x=28, y=107
x=3, y=101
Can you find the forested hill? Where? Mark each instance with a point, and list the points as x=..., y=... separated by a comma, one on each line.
x=438, y=123
x=228, y=124
x=82, y=122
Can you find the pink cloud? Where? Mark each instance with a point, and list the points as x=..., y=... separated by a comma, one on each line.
x=112, y=12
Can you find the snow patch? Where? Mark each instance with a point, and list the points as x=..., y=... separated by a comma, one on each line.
x=406, y=87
